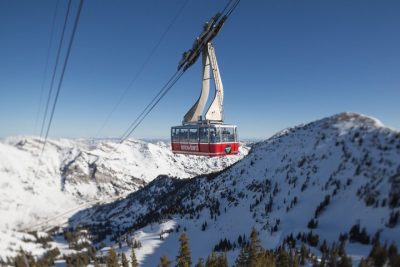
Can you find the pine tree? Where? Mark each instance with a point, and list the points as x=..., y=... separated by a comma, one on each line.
x=212, y=260
x=252, y=254
x=112, y=259
x=164, y=262
x=266, y=259
x=394, y=257
x=184, y=259
x=283, y=258
x=345, y=262
x=294, y=260
x=342, y=248
x=23, y=259
x=243, y=259
x=124, y=260
x=256, y=251
x=332, y=256
x=324, y=249
x=222, y=260
x=392, y=250
x=134, y=262
x=216, y=260
x=303, y=254
x=255, y=247
x=378, y=254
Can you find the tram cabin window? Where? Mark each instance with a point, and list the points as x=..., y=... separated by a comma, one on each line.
x=203, y=134
x=218, y=135
x=193, y=135
x=183, y=136
x=175, y=134
x=228, y=134
x=214, y=135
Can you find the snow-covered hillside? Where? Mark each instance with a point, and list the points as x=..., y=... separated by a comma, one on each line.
x=337, y=172
x=75, y=174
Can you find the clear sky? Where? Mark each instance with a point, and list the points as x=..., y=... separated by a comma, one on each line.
x=282, y=63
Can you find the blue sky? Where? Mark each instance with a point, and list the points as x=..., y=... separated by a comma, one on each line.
x=282, y=63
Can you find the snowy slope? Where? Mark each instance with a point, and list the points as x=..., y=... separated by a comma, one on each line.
x=75, y=174
x=351, y=159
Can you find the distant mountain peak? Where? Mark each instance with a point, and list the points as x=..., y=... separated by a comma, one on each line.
x=357, y=118
x=341, y=121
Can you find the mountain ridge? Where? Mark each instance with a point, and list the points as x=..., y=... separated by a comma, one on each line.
x=345, y=166
x=75, y=174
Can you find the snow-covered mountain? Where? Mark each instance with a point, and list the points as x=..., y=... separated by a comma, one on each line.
x=326, y=177
x=76, y=174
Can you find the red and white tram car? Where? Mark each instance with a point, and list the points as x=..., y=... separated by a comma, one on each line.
x=205, y=139
x=208, y=136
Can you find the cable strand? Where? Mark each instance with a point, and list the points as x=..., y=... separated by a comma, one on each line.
x=63, y=71
x=153, y=106
x=47, y=63
x=55, y=69
x=125, y=134
x=143, y=66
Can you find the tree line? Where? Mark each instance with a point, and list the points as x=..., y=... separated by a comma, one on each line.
x=252, y=254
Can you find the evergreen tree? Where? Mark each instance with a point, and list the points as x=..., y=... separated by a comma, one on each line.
x=394, y=257
x=222, y=260
x=312, y=224
x=283, y=258
x=392, y=250
x=255, y=250
x=124, y=260
x=112, y=259
x=266, y=259
x=24, y=259
x=342, y=248
x=303, y=254
x=294, y=260
x=345, y=262
x=164, y=262
x=378, y=254
x=216, y=260
x=332, y=257
x=184, y=259
x=134, y=262
x=255, y=247
x=252, y=254
x=324, y=248
x=212, y=260
x=243, y=258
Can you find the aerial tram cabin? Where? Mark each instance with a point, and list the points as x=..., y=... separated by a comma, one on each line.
x=205, y=139
x=199, y=134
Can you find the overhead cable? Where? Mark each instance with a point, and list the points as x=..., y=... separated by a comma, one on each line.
x=141, y=69
x=167, y=87
x=55, y=68
x=63, y=71
x=47, y=63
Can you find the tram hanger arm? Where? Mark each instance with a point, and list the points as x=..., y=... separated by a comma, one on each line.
x=211, y=30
